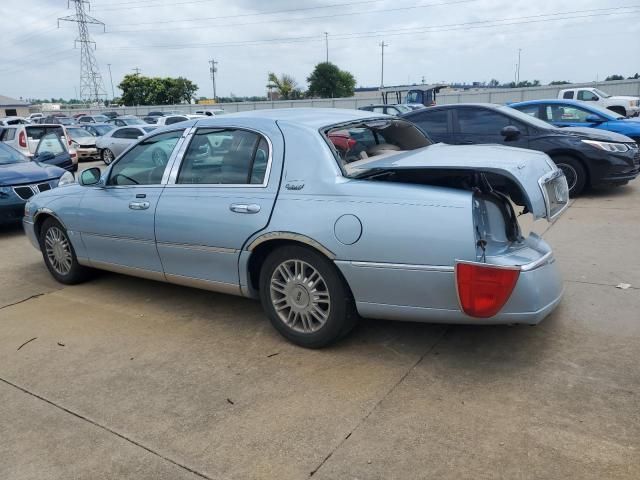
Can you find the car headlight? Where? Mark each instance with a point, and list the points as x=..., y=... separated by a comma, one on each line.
x=66, y=179
x=608, y=146
x=27, y=209
x=5, y=192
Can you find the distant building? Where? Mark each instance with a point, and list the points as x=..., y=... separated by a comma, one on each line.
x=10, y=107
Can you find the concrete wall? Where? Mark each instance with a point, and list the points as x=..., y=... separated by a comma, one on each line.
x=498, y=95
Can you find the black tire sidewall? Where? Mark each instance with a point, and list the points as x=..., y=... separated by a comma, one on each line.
x=581, y=180
x=340, y=314
x=78, y=272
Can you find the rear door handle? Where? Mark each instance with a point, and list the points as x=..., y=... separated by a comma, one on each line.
x=139, y=205
x=244, y=208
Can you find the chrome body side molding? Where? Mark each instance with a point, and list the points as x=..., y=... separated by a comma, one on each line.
x=291, y=236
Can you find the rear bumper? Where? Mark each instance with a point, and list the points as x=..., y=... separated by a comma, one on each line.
x=428, y=294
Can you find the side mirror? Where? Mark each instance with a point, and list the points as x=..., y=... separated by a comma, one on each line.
x=510, y=132
x=593, y=119
x=44, y=157
x=90, y=176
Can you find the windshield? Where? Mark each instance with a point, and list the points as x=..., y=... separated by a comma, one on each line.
x=101, y=118
x=78, y=133
x=358, y=143
x=148, y=129
x=403, y=108
x=101, y=129
x=601, y=93
x=8, y=155
x=528, y=119
x=64, y=121
x=412, y=97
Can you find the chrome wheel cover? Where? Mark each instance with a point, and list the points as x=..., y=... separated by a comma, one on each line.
x=300, y=296
x=108, y=156
x=570, y=174
x=58, y=250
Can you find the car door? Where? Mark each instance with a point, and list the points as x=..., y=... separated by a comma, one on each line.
x=52, y=151
x=219, y=195
x=475, y=125
x=562, y=115
x=117, y=218
x=436, y=123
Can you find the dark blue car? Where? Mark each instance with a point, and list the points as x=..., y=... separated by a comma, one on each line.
x=569, y=113
x=21, y=179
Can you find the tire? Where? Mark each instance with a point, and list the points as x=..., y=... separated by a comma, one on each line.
x=59, y=255
x=309, y=316
x=619, y=110
x=107, y=156
x=575, y=173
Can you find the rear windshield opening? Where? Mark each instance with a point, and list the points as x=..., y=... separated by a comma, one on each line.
x=357, y=143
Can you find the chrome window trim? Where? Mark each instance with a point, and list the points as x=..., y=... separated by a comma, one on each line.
x=120, y=239
x=175, y=169
x=131, y=147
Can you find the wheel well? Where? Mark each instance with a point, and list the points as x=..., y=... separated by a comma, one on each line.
x=555, y=155
x=618, y=109
x=39, y=221
x=260, y=253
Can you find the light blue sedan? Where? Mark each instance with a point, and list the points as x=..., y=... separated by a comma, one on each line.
x=325, y=215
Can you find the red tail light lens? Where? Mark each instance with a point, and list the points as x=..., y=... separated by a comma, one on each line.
x=22, y=139
x=484, y=289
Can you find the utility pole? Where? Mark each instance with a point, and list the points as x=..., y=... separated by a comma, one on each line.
x=382, y=45
x=518, y=68
x=137, y=70
x=113, y=94
x=326, y=42
x=91, y=84
x=213, y=69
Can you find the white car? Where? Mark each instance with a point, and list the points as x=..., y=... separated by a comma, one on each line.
x=211, y=112
x=113, y=143
x=627, y=106
x=171, y=119
x=6, y=121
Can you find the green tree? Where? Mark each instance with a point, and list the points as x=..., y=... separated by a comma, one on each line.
x=613, y=77
x=286, y=86
x=140, y=90
x=494, y=83
x=635, y=77
x=328, y=81
x=559, y=82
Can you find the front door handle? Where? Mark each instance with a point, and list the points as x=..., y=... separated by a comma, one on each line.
x=139, y=205
x=244, y=208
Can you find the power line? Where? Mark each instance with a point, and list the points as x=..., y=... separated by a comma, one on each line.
x=280, y=20
x=406, y=31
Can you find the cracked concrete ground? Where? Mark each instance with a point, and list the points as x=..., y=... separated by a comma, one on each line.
x=128, y=378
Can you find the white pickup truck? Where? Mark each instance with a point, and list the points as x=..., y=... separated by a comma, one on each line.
x=627, y=106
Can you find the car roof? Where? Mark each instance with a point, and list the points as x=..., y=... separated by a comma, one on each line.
x=309, y=117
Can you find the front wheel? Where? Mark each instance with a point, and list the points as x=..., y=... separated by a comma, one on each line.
x=59, y=255
x=574, y=172
x=305, y=297
x=107, y=156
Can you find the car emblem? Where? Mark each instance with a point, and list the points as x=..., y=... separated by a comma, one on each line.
x=294, y=186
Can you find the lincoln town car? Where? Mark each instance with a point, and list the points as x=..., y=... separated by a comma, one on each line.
x=324, y=215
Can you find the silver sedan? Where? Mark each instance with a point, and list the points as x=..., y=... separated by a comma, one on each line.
x=113, y=143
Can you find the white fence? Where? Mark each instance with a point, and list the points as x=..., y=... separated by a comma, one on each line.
x=497, y=95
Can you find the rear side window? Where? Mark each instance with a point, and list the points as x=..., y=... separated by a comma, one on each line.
x=479, y=121
x=128, y=133
x=225, y=156
x=8, y=134
x=568, y=95
x=172, y=120
x=432, y=122
x=533, y=110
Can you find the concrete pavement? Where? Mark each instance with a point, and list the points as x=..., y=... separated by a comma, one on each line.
x=129, y=378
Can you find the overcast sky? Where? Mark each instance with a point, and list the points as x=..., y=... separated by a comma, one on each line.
x=440, y=40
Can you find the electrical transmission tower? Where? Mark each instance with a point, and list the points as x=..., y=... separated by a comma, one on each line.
x=91, y=84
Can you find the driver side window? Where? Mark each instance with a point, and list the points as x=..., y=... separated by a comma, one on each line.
x=145, y=163
x=587, y=96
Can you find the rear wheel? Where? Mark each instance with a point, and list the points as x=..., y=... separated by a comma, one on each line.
x=59, y=255
x=574, y=172
x=305, y=297
x=107, y=156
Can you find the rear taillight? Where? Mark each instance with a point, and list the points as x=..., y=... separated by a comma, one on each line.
x=22, y=139
x=484, y=289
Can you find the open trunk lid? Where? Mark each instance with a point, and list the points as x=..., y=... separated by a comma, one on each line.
x=542, y=186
